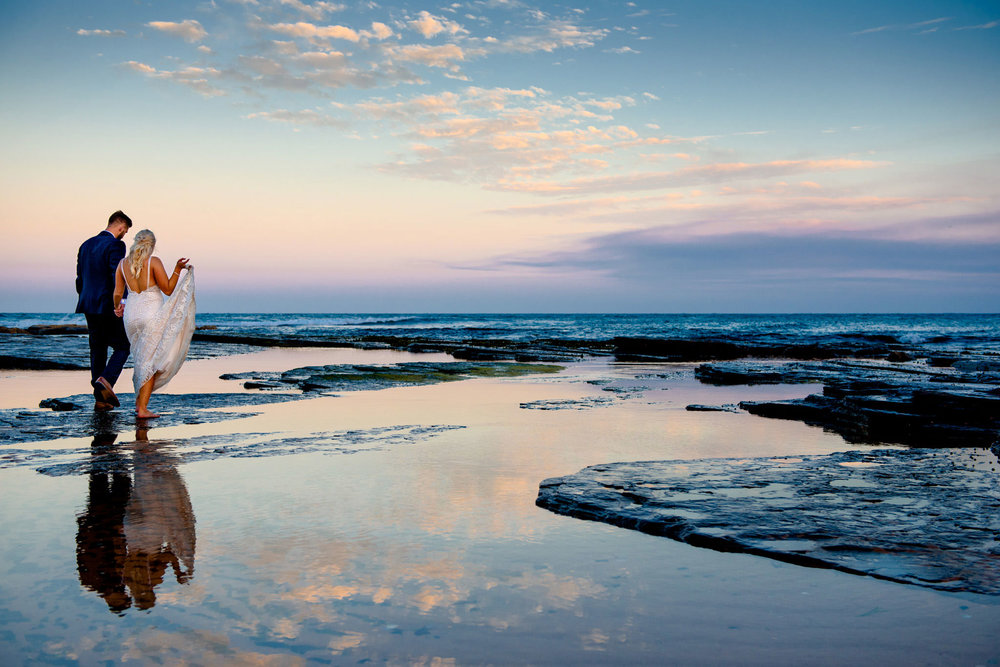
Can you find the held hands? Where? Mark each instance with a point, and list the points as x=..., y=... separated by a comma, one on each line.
x=120, y=309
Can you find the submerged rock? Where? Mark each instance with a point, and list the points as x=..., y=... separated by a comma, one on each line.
x=60, y=462
x=61, y=421
x=568, y=403
x=695, y=407
x=358, y=377
x=915, y=516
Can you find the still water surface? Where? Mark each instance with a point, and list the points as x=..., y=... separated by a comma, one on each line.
x=432, y=551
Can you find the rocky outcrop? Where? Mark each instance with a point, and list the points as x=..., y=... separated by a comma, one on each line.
x=358, y=377
x=59, y=405
x=916, y=418
x=878, y=402
x=721, y=349
x=924, y=517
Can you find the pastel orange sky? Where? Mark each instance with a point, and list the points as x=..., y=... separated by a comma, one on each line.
x=500, y=155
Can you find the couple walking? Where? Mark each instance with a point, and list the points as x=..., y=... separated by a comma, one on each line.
x=157, y=331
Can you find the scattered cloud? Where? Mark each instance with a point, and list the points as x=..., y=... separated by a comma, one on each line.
x=555, y=35
x=189, y=30
x=402, y=110
x=430, y=26
x=518, y=140
x=446, y=56
x=316, y=10
x=768, y=208
x=303, y=117
x=379, y=31
x=622, y=49
x=503, y=135
x=198, y=79
x=313, y=31
x=903, y=26
x=382, y=54
x=982, y=26
x=714, y=173
x=100, y=32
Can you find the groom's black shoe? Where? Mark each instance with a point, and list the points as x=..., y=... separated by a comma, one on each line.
x=105, y=395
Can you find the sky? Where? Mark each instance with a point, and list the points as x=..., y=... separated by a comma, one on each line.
x=510, y=156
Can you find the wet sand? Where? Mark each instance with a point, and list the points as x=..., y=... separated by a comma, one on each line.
x=426, y=549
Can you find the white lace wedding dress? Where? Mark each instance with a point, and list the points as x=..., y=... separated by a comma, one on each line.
x=159, y=329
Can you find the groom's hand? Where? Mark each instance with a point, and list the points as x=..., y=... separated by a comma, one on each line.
x=120, y=309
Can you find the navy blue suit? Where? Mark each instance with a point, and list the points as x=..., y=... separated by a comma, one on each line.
x=95, y=283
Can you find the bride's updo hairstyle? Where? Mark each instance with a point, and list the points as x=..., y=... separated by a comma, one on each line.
x=142, y=248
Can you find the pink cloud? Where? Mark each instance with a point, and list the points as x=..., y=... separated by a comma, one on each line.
x=188, y=30
x=719, y=172
x=312, y=31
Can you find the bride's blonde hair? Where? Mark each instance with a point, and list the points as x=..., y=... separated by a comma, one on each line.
x=142, y=248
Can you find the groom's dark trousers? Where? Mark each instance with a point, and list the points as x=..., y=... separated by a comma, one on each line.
x=96, y=263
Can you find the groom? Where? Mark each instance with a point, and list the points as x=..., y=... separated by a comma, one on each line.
x=95, y=283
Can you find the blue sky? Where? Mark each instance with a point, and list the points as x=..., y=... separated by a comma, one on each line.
x=500, y=155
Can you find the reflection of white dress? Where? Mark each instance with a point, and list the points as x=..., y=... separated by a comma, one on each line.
x=159, y=517
x=159, y=330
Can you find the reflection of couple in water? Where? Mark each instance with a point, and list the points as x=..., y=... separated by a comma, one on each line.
x=135, y=525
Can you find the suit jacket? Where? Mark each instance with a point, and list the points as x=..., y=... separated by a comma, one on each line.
x=95, y=273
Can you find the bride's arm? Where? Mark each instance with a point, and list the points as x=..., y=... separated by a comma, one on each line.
x=167, y=284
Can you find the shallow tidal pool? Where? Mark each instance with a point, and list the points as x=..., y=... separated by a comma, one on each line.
x=430, y=549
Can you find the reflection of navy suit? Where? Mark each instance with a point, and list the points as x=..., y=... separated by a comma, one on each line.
x=95, y=283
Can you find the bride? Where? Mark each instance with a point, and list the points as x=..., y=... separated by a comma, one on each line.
x=159, y=330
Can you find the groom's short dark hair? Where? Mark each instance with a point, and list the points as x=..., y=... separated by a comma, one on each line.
x=118, y=215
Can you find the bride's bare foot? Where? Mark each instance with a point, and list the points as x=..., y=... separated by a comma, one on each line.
x=145, y=414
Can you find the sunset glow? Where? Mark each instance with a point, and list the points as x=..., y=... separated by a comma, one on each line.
x=500, y=155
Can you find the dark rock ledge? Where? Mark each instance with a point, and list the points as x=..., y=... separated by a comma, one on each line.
x=925, y=517
x=872, y=402
x=16, y=363
x=561, y=350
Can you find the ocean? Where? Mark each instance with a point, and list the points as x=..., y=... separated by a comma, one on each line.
x=944, y=333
